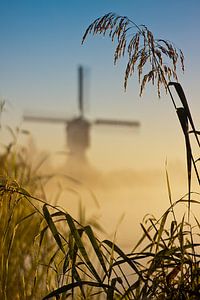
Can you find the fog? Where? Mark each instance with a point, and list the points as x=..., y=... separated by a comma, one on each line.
x=117, y=200
x=122, y=180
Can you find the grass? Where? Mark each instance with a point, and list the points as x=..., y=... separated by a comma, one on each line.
x=49, y=254
x=46, y=254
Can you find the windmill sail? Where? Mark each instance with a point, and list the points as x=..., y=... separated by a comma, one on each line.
x=44, y=119
x=117, y=122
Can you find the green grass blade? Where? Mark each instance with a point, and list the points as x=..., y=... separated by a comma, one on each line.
x=133, y=287
x=52, y=227
x=81, y=247
x=68, y=287
x=188, y=115
x=184, y=102
x=161, y=229
x=124, y=256
x=146, y=232
x=96, y=247
x=111, y=289
x=182, y=115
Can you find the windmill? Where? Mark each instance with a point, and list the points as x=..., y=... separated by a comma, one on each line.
x=78, y=128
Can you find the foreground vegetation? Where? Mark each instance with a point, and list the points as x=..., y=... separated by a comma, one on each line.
x=46, y=254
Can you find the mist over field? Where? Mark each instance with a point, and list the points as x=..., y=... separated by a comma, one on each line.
x=117, y=199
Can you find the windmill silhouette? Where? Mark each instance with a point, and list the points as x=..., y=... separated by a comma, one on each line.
x=78, y=128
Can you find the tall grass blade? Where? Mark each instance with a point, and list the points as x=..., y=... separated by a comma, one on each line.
x=10, y=244
x=68, y=287
x=146, y=234
x=52, y=227
x=133, y=287
x=187, y=116
x=184, y=102
x=183, y=118
x=161, y=229
x=124, y=256
x=111, y=289
x=170, y=194
x=81, y=247
x=96, y=247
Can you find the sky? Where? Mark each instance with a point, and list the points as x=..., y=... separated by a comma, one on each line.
x=41, y=50
x=39, y=56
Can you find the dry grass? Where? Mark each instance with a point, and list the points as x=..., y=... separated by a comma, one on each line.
x=157, y=57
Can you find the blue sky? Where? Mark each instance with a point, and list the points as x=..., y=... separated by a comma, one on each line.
x=41, y=49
